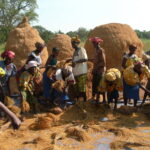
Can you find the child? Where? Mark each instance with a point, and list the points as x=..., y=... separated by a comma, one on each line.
x=111, y=83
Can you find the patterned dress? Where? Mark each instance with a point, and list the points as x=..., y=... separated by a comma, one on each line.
x=27, y=85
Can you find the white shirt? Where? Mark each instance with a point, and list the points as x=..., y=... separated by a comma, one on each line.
x=80, y=68
x=133, y=56
x=70, y=78
x=37, y=58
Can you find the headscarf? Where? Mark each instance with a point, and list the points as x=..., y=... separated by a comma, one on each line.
x=39, y=45
x=8, y=54
x=31, y=64
x=2, y=72
x=75, y=39
x=110, y=76
x=96, y=40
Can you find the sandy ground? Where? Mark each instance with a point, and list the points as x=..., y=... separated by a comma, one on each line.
x=81, y=127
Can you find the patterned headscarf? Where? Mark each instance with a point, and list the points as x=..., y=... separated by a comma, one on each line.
x=96, y=40
x=8, y=54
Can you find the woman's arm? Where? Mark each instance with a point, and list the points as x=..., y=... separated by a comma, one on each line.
x=15, y=121
x=143, y=88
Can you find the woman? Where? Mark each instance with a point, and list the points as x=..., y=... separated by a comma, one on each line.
x=99, y=68
x=111, y=83
x=129, y=58
x=52, y=60
x=146, y=60
x=66, y=75
x=36, y=54
x=47, y=81
x=132, y=78
x=10, y=69
x=27, y=86
x=15, y=121
x=80, y=69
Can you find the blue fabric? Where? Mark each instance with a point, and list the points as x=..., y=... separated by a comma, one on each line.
x=131, y=92
x=47, y=83
x=62, y=95
x=112, y=95
x=9, y=72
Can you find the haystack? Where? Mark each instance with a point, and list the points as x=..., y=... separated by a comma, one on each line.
x=22, y=41
x=117, y=37
x=63, y=42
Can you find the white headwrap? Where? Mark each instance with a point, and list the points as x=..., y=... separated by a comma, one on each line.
x=31, y=64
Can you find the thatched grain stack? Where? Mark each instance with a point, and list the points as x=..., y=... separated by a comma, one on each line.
x=22, y=41
x=117, y=37
x=63, y=42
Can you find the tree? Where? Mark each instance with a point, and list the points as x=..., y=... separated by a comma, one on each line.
x=44, y=33
x=83, y=33
x=72, y=33
x=12, y=12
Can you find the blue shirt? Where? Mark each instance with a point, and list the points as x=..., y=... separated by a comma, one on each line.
x=10, y=70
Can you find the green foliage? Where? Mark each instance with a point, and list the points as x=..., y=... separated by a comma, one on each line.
x=44, y=33
x=146, y=43
x=72, y=33
x=81, y=32
x=143, y=34
x=12, y=12
x=2, y=47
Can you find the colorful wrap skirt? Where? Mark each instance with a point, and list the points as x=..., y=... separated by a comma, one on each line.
x=80, y=85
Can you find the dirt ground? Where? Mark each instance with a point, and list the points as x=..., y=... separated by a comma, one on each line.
x=85, y=126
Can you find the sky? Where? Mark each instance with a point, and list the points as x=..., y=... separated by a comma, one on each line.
x=69, y=15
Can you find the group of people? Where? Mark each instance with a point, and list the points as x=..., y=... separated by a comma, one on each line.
x=74, y=75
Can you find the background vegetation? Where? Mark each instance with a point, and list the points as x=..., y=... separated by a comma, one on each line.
x=12, y=12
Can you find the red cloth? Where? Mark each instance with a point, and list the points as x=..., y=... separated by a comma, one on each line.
x=8, y=54
x=96, y=40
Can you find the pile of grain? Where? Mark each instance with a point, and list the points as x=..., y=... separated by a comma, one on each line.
x=22, y=41
x=117, y=38
x=63, y=42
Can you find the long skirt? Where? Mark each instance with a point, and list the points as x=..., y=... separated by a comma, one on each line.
x=47, y=83
x=95, y=83
x=80, y=85
x=131, y=92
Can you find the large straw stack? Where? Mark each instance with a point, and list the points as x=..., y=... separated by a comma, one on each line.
x=22, y=41
x=63, y=42
x=117, y=38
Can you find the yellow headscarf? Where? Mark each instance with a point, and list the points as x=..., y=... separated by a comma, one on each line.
x=110, y=76
x=2, y=72
x=75, y=39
